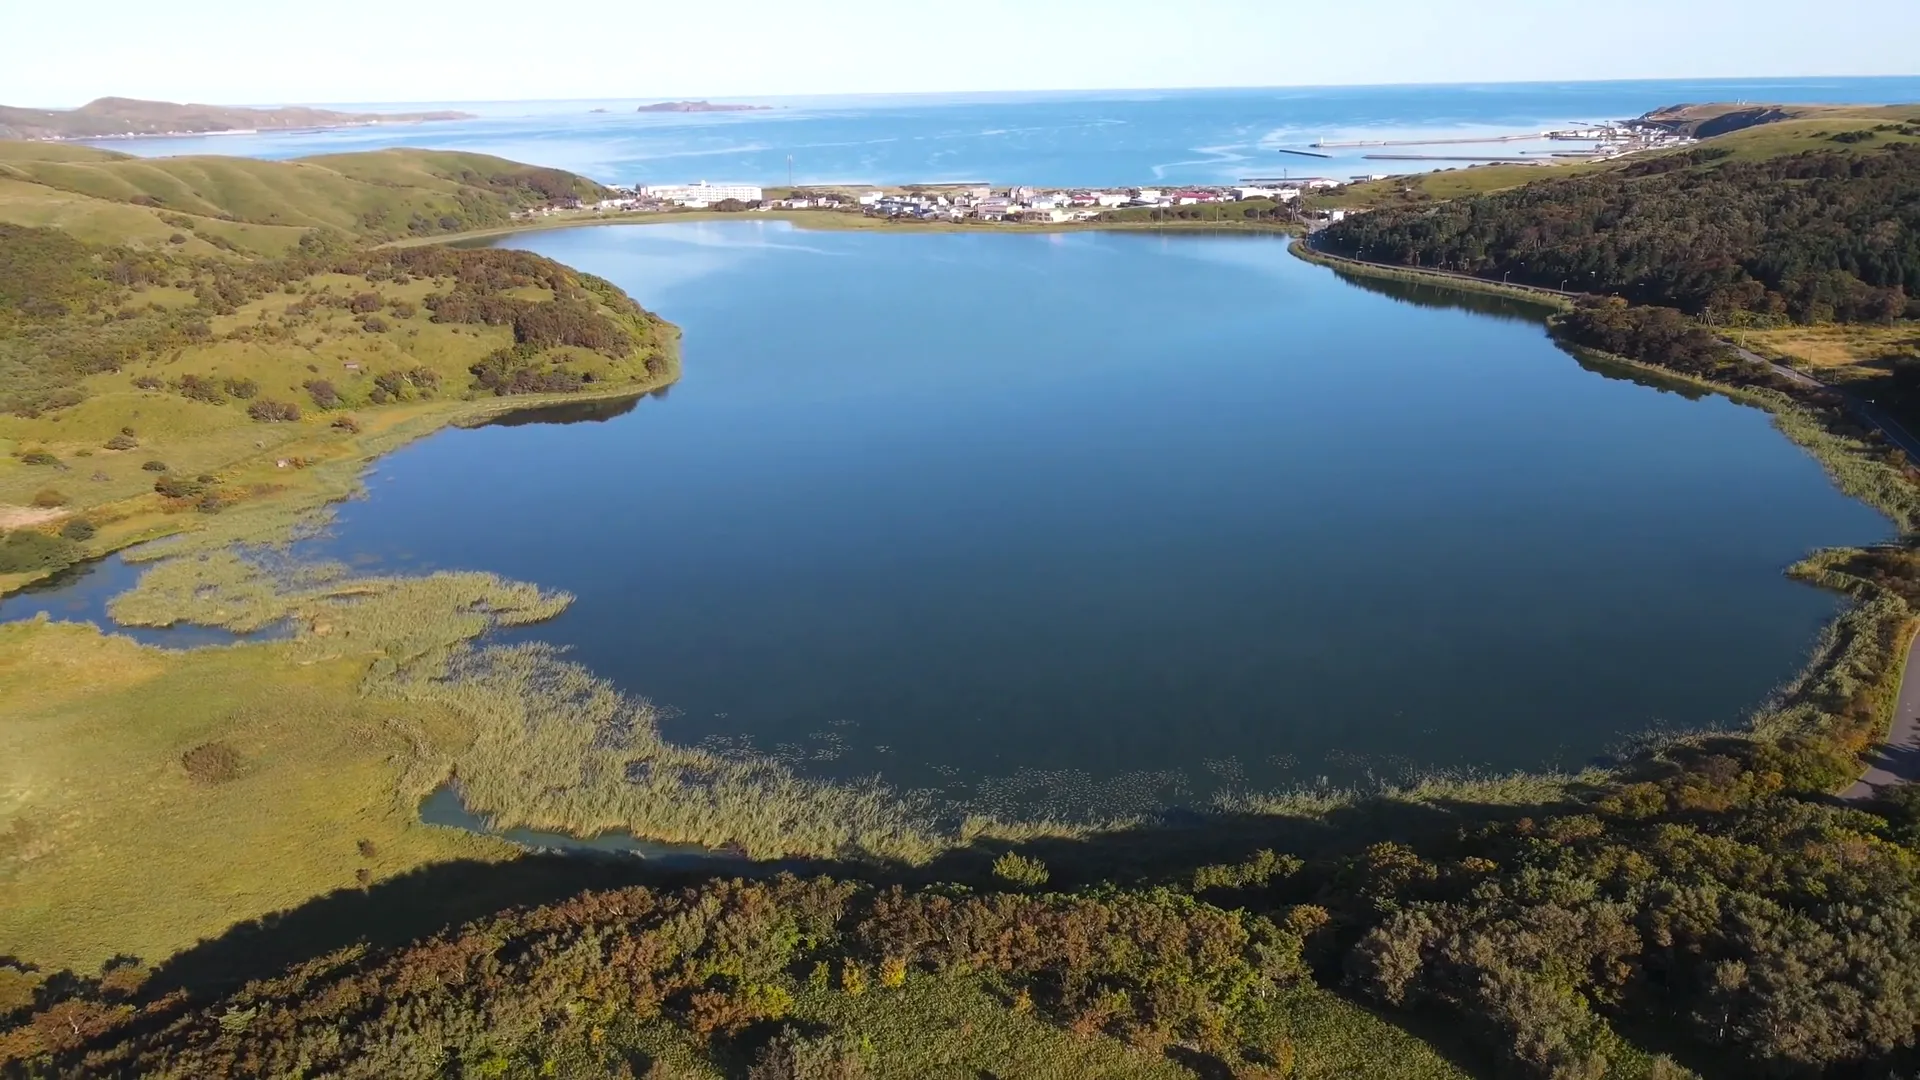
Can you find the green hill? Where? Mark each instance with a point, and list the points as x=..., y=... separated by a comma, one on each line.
x=382, y=195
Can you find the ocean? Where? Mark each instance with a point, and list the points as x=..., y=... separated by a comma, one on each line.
x=1134, y=137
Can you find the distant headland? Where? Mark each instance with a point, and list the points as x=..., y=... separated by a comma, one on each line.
x=117, y=117
x=699, y=106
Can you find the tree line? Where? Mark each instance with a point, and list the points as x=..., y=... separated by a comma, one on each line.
x=1813, y=237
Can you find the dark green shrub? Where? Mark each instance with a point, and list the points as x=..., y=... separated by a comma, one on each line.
x=178, y=487
x=79, y=530
x=154, y=466
x=323, y=393
x=38, y=457
x=25, y=551
x=122, y=442
x=211, y=763
x=198, y=388
x=1020, y=870
x=274, y=412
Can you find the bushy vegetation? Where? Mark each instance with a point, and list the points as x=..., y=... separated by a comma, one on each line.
x=28, y=550
x=1720, y=899
x=727, y=963
x=1810, y=237
x=1656, y=335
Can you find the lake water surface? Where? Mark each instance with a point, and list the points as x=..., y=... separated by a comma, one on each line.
x=1060, y=517
x=951, y=507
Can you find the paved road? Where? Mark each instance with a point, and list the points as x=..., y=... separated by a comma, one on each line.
x=1897, y=761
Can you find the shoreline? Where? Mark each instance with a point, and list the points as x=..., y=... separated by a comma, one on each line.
x=365, y=453
x=834, y=221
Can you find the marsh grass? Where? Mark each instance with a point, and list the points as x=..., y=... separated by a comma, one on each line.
x=124, y=829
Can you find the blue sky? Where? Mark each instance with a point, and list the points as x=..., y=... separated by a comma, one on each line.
x=405, y=50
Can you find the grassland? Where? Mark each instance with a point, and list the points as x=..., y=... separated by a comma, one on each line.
x=257, y=207
x=1835, y=346
x=112, y=845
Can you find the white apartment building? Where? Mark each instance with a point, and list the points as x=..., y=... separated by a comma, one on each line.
x=701, y=192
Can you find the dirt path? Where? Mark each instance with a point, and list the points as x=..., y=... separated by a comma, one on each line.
x=20, y=517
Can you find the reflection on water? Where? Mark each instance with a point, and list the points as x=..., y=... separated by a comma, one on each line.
x=1429, y=295
x=1518, y=308
x=444, y=808
x=572, y=412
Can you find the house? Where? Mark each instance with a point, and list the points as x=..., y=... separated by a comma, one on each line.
x=1109, y=198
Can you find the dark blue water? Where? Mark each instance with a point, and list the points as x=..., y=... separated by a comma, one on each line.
x=952, y=507
x=1130, y=137
x=942, y=505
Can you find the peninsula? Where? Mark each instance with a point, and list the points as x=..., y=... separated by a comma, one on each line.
x=700, y=106
x=119, y=118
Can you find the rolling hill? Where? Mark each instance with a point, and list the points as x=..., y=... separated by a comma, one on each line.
x=264, y=207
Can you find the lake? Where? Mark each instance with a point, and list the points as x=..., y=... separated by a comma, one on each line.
x=1089, y=519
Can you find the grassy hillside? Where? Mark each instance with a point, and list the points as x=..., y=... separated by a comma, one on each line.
x=1771, y=132
x=147, y=389
x=261, y=207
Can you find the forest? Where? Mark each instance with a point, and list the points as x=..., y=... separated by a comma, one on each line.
x=1810, y=237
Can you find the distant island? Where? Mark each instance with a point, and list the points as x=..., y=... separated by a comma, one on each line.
x=699, y=106
x=118, y=117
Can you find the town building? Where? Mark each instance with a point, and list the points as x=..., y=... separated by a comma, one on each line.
x=701, y=192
